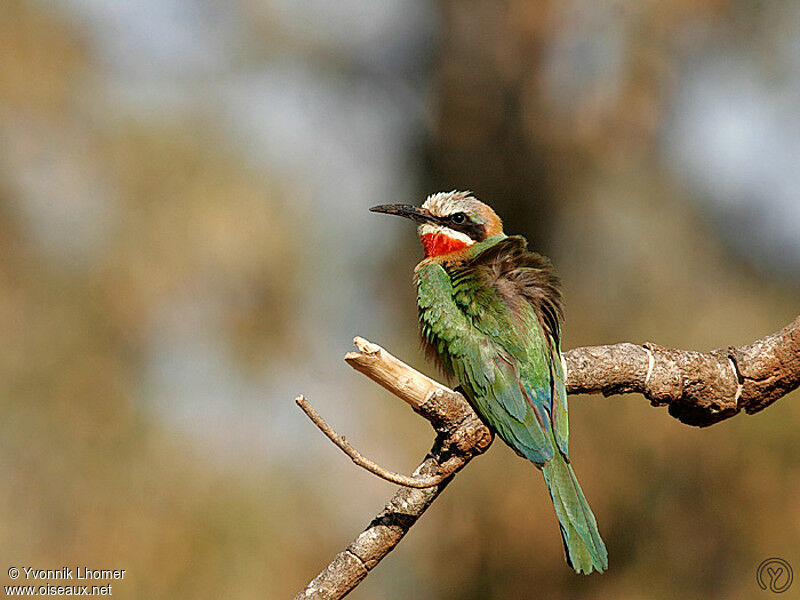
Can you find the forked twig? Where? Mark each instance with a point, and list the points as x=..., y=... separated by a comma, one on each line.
x=361, y=460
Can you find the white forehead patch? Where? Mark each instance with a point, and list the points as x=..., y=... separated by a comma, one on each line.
x=430, y=229
x=445, y=203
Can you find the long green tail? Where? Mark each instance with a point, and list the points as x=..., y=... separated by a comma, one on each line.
x=585, y=551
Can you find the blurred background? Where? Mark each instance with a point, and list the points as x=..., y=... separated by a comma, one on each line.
x=185, y=246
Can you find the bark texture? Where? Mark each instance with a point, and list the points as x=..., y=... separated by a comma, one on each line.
x=700, y=388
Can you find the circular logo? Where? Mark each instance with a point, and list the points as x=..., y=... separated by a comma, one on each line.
x=775, y=575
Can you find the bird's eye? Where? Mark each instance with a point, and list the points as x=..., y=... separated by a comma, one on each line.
x=458, y=218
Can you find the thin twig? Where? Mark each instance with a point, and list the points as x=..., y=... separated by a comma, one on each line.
x=361, y=460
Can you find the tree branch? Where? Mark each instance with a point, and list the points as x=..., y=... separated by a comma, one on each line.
x=700, y=388
x=460, y=436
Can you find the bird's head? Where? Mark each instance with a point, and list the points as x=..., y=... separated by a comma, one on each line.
x=448, y=221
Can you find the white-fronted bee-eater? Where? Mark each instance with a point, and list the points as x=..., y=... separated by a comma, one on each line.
x=490, y=310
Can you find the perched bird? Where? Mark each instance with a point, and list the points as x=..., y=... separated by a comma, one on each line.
x=490, y=310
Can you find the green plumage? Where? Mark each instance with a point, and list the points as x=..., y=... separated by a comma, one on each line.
x=493, y=318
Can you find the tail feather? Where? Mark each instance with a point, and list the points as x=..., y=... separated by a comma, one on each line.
x=583, y=546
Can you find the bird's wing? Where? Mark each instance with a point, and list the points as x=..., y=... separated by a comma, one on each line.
x=495, y=355
x=525, y=280
x=524, y=277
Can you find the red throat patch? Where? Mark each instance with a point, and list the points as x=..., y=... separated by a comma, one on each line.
x=436, y=244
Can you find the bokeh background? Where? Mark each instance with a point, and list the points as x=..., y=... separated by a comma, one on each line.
x=185, y=246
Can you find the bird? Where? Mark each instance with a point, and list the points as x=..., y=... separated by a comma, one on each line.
x=490, y=313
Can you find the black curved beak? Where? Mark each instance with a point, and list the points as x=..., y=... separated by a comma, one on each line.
x=420, y=215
